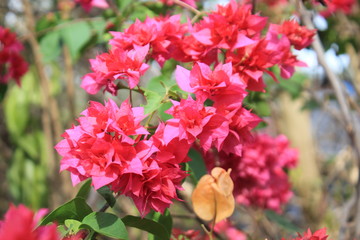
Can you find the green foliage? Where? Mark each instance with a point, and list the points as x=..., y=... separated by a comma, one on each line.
x=107, y=194
x=150, y=226
x=106, y=224
x=84, y=190
x=293, y=86
x=75, y=209
x=27, y=173
x=164, y=219
x=67, y=32
x=50, y=46
x=258, y=103
x=123, y=4
x=72, y=225
x=140, y=12
x=197, y=165
x=71, y=34
x=154, y=100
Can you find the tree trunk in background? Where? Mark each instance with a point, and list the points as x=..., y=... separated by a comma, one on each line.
x=296, y=125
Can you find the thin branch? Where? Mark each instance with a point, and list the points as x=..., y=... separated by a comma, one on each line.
x=187, y=6
x=306, y=17
x=50, y=116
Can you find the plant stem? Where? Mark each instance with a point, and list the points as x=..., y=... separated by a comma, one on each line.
x=50, y=116
x=187, y=6
x=306, y=17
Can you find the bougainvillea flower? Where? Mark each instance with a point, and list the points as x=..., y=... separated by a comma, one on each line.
x=109, y=146
x=229, y=230
x=259, y=174
x=87, y=5
x=212, y=197
x=252, y=61
x=240, y=17
x=230, y=27
x=299, y=36
x=174, y=152
x=178, y=234
x=344, y=6
x=318, y=235
x=242, y=121
x=155, y=186
x=117, y=64
x=21, y=223
x=220, y=85
x=192, y=120
x=12, y=63
x=162, y=34
x=101, y=146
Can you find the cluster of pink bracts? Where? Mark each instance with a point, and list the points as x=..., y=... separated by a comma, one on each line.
x=13, y=66
x=111, y=147
x=232, y=32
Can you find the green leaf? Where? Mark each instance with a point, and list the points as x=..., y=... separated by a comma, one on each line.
x=50, y=46
x=161, y=111
x=76, y=35
x=98, y=26
x=16, y=109
x=147, y=225
x=62, y=230
x=75, y=209
x=197, y=164
x=72, y=225
x=262, y=108
x=294, y=85
x=281, y=221
x=106, y=224
x=84, y=190
x=153, y=100
x=123, y=4
x=164, y=219
x=141, y=12
x=107, y=194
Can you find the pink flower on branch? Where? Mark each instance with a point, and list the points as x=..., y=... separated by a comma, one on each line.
x=345, y=6
x=299, y=36
x=252, y=61
x=117, y=64
x=109, y=146
x=13, y=65
x=258, y=174
x=220, y=85
x=162, y=34
x=87, y=5
x=317, y=235
x=194, y=121
x=101, y=146
x=171, y=2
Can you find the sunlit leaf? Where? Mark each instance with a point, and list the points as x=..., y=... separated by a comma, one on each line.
x=75, y=209
x=106, y=224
